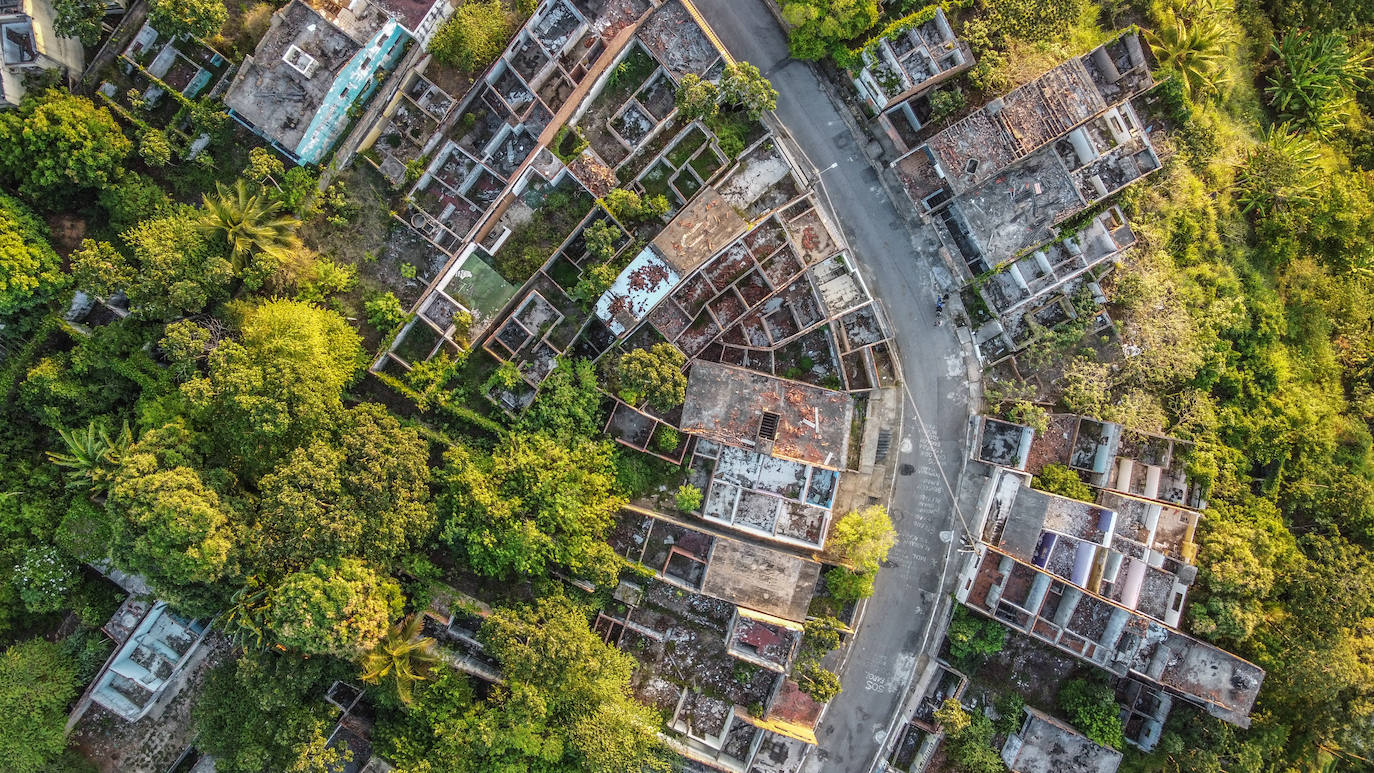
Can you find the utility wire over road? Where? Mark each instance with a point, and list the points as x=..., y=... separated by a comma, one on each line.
x=900, y=270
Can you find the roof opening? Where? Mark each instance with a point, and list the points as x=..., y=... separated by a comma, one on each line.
x=768, y=428
x=304, y=63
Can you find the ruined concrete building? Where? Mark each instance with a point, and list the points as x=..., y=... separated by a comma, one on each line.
x=1051, y=286
x=28, y=45
x=1136, y=558
x=904, y=64
x=1043, y=744
x=769, y=451
x=1100, y=632
x=1107, y=581
x=1000, y=180
x=317, y=62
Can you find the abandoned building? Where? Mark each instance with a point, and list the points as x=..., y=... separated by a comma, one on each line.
x=769, y=451
x=28, y=45
x=1117, y=458
x=1044, y=744
x=1104, y=581
x=1051, y=286
x=744, y=275
x=479, y=146
x=1138, y=564
x=1035, y=602
x=1002, y=443
x=154, y=643
x=918, y=739
x=311, y=69
x=715, y=633
x=904, y=64
x=192, y=70
x=1000, y=180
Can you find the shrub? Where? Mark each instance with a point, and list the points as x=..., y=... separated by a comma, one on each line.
x=384, y=312
x=1058, y=479
x=972, y=636
x=1092, y=708
x=848, y=586
x=667, y=439
x=1315, y=79
x=43, y=579
x=594, y=282
x=473, y=37
x=946, y=102
x=688, y=498
x=1010, y=707
x=600, y=238
x=154, y=147
x=731, y=128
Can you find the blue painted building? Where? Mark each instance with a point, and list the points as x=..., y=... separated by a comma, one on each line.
x=300, y=88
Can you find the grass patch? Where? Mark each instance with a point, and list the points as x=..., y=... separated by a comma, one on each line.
x=706, y=164
x=569, y=144
x=684, y=149
x=655, y=182
x=534, y=241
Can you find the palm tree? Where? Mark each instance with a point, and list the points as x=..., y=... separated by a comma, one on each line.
x=1279, y=173
x=249, y=222
x=1316, y=75
x=242, y=621
x=405, y=655
x=90, y=453
x=1193, y=46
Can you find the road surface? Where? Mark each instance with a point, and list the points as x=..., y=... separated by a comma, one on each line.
x=899, y=271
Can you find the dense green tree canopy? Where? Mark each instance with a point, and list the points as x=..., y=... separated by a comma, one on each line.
x=360, y=490
x=569, y=404
x=535, y=504
x=56, y=144
x=653, y=374
x=338, y=606
x=473, y=36
x=863, y=537
x=819, y=27
x=78, y=19
x=744, y=86
x=37, y=681
x=697, y=99
x=30, y=272
x=198, y=18
x=278, y=384
x=173, y=527
x=583, y=694
x=174, y=269
x=1092, y=708
x=266, y=712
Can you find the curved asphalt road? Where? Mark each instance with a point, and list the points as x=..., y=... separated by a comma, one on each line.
x=899, y=269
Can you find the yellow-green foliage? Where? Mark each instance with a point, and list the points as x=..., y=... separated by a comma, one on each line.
x=1247, y=296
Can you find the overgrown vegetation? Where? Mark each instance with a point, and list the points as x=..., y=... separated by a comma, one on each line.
x=1246, y=300
x=473, y=36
